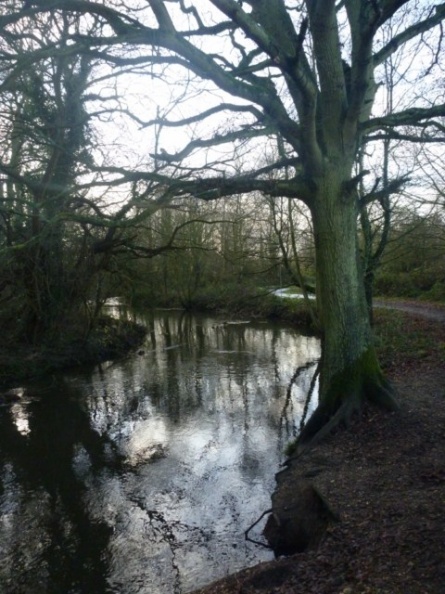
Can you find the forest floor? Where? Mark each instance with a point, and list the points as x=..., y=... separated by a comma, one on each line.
x=383, y=478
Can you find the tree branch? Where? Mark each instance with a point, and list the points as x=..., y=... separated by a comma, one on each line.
x=216, y=140
x=393, y=187
x=409, y=117
x=409, y=33
x=221, y=107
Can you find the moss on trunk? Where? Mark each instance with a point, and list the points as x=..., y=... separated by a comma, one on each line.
x=359, y=383
x=350, y=374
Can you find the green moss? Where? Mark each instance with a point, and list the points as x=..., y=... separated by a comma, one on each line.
x=291, y=448
x=352, y=383
x=348, y=390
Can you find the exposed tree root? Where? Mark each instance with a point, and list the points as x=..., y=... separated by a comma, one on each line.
x=346, y=398
x=382, y=394
x=320, y=425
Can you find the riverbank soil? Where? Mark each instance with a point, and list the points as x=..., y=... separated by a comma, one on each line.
x=110, y=339
x=381, y=484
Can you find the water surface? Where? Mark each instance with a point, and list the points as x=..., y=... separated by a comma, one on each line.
x=140, y=476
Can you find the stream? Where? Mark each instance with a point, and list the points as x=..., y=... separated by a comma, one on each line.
x=141, y=475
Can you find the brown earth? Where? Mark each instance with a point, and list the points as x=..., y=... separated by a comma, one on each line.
x=383, y=481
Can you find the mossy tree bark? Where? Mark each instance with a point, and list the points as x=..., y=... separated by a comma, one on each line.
x=350, y=373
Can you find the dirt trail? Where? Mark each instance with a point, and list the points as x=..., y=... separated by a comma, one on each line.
x=417, y=308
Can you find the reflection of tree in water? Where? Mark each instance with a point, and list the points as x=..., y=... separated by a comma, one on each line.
x=213, y=393
x=287, y=417
x=73, y=544
x=309, y=395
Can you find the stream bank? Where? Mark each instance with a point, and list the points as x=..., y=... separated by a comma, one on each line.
x=384, y=479
x=110, y=339
x=383, y=482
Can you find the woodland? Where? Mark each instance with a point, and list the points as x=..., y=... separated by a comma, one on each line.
x=205, y=154
x=171, y=150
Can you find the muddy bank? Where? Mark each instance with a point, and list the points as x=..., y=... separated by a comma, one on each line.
x=384, y=484
x=367, y=503
x=110, y=339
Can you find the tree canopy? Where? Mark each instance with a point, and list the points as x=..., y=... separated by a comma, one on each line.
x=278, y=97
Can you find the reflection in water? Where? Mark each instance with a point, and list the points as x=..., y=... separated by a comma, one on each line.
x=142, y=475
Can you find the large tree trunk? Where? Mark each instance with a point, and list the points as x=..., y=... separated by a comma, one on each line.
x=350, y=373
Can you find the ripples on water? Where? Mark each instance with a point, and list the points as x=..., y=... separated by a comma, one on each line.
x=142, y=475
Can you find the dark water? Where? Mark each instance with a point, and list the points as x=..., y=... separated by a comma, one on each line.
x=140, y=476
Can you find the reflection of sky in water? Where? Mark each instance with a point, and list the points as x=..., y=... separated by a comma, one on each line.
x=20, y=415
x=199, y=422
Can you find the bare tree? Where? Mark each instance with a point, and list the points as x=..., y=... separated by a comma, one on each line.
x=304, y=72
x=62, y=231
x=285, y=214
